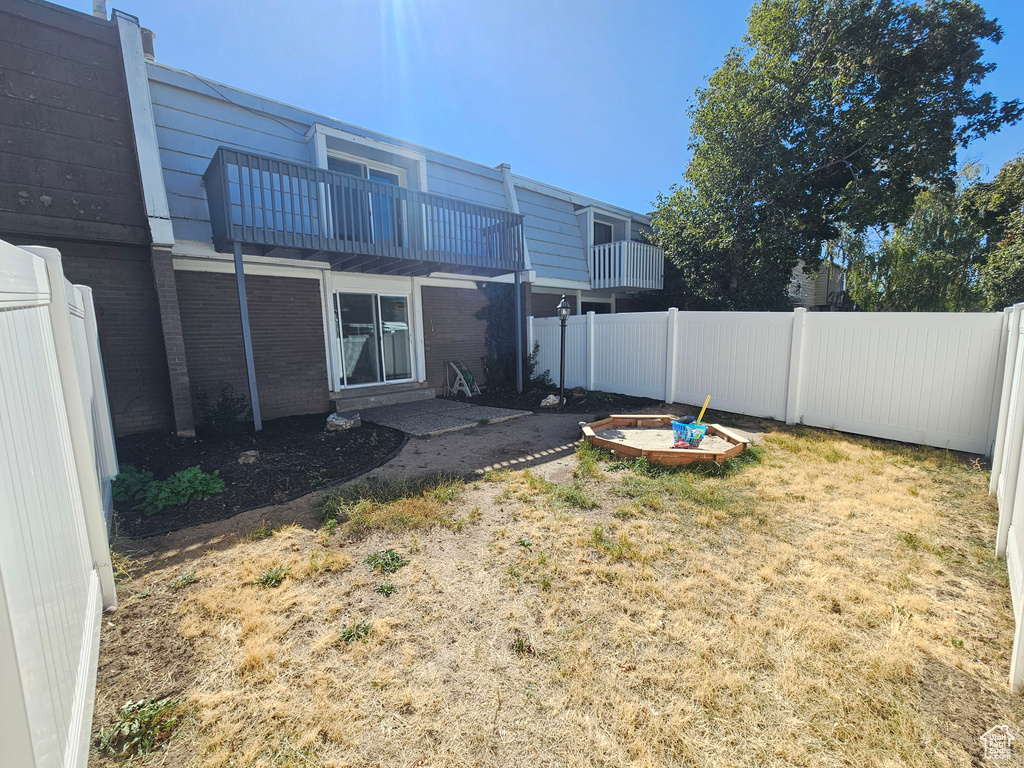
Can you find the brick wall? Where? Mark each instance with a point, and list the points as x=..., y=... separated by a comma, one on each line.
x=452, y=332
x=544, y=303
x=287, y=339
x=67, y=162
x=134, y=362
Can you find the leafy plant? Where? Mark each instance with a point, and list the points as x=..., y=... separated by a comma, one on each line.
x=387, y=589
x=187, y=485
x=228, y=415
x=184, y=580
x=386, y=561
x=272, y=577
x=130, y=484
x=353, y=633
x=524, y=542
x=140, y=727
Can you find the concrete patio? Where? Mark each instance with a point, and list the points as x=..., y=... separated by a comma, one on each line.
x=435, y=416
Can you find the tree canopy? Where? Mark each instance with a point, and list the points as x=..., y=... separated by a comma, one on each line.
x=958, y=252
x=834, y=115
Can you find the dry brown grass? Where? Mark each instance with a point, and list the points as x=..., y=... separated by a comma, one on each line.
x=836, y=604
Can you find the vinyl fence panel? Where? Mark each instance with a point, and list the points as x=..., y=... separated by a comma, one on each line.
x=629, y=354
x=54, y=562
x=929, y=378
x=741, y=359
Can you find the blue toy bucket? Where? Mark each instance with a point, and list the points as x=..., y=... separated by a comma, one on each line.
x=687, y=435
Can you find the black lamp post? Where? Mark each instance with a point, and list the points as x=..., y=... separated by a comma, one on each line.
x=563, y=315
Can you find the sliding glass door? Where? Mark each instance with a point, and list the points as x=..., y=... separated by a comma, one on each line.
x=374, y=342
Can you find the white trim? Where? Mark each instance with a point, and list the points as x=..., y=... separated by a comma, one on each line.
x=397, y=170
x=599, y=211
x=252, y=267
x=419, y=344
x=327, y=317
x=147, y=148
x=562, y=286
x=319, y=132
x=413, y=356
x=587, y=202
x=513, y=202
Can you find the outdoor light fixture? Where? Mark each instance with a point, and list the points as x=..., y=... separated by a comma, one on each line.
x=563, y=310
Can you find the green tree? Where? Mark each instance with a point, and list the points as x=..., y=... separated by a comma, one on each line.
x=999, y=208
x=930, y=264
x=834, y=113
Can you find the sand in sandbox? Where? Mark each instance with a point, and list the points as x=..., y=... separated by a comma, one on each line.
x=658, y=438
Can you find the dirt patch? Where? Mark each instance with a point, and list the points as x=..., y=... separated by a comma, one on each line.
x=296, y=455
x=964, y=704
x=836, y=603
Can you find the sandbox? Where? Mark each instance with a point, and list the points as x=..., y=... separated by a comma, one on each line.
x=651, y=437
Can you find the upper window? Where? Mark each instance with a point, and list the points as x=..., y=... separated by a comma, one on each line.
x=603, y=233
x=366, y=169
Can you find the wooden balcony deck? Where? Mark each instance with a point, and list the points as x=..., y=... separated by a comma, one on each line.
x=301, y=211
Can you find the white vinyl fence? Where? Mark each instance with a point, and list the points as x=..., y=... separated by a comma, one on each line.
x=929, y=378
x=1006, y=483
x=56, y=463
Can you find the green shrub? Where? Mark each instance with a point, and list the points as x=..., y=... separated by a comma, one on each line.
x=140, y=727
x=190, y=484
x=179, y=582
x=130, y=484
x=138, y=488
x=272, y=577
x=386, y=561
x=353, y=633
x=228, y=416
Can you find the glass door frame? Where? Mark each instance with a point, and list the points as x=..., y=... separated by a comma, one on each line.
x=338, y=342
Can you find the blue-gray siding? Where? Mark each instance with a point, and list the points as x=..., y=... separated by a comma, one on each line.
x=194, y=117
x=553, y=236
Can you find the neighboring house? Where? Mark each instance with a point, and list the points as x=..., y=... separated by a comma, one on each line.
x=821, y=290
x=69, y=179
x=362, y=253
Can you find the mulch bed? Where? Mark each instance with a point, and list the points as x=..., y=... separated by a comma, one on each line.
x=297, y=455
x=577, y=401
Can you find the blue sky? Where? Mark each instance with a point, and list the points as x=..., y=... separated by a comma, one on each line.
x=589, y=95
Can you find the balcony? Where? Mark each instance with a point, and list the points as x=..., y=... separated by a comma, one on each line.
x=301, y=211
x=627, y=265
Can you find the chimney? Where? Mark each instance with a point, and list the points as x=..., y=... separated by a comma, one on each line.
x=147, y=42
x=99, y=9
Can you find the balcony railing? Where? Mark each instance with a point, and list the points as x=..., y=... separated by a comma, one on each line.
x=628, y=265
x=357, y=224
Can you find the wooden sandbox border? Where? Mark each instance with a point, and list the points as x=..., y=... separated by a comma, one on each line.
x=670, y=457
